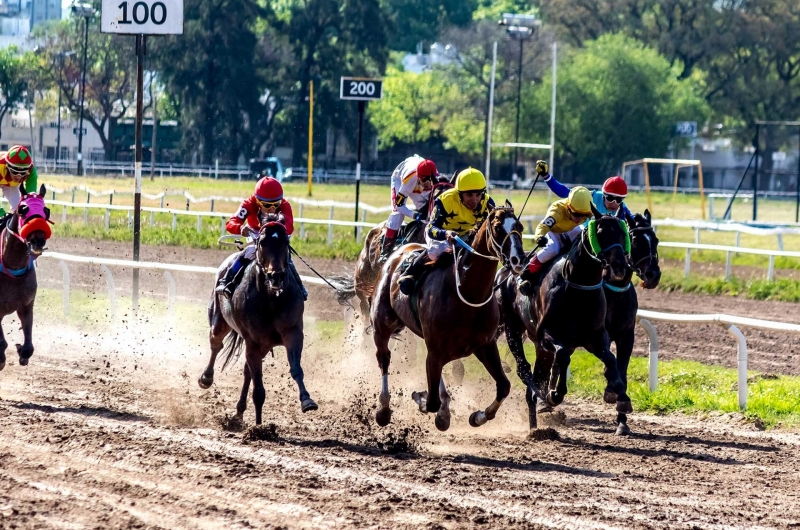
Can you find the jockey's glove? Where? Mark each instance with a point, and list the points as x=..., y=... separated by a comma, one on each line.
x=542, y=241
x=541, y=168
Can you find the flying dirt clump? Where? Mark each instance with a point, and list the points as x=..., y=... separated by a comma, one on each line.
x=231, y=423
x=541, y=435
x=267, y=433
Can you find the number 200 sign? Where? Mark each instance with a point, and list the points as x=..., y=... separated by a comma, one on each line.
x=360, y=88
x=142, y=17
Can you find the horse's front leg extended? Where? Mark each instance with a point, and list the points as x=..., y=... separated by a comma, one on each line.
x=216, y=336
x=558, y=381
x=381, y=337
x=489, y=356
x=241, y=405
x=254, y=360
x=25, y=350
x=515, y=338
x=615, y=388
x=294, y=351
x=624, y=351
x=3, y=346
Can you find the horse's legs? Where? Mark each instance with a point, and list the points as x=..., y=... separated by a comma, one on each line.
x=25, y=350
x=294, y=350
x=490, y=357
x=241, y=405
x=381, y=337
x=624, y=350
x=216, y=335
x=3, y=346
x=443, y=416
x=254, y=362
x=515, y=338
x=615, y=388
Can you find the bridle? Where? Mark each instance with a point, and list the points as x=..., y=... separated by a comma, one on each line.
x=496, y=247
x=652, y=255
x=261, y=236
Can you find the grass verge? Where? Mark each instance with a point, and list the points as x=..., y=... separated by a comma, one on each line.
x=783, y=290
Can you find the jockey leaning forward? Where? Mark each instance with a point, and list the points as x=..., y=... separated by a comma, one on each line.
x=412, y=179
x=607, y=200
x=267, y=199
x=455, y=213
x=16, y=167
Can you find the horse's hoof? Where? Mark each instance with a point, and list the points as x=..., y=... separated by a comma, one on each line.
x=383, y=417
x=205, y=382
x=623, y=429
x=23, y=361
x=543, y=406
x=610, y=397
x=624, y=407
x=554, y=399
x=421, y=399
x=2, y=365
x=308, y=405
x=477, y=418
x=442, y=422
x=458, y=372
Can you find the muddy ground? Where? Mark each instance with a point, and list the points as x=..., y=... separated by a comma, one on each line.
x=107, y=428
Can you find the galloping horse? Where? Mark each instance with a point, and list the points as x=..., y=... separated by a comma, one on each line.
x=567, y=311
x=622, y=301
x=368, y=264
x=453, y=310
x=25, y=233
x=265, y=311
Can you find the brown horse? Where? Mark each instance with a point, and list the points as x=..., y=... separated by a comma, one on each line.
x=453, y=310
x=369, y=265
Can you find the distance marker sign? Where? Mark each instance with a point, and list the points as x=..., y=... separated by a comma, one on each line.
x=142, y=17
x=361, y=89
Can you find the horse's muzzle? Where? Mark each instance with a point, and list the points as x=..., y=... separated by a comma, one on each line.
x=275, y=279
x=651, y=278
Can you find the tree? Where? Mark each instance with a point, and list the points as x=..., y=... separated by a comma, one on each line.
x=415, y=21
x=13, y=83
x=111, y=68
x=617, y=100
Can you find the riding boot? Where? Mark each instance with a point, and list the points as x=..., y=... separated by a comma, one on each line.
x=227, y=284
x=386, y=249
x=299, y=281
x=408, y=280
x=525, y=282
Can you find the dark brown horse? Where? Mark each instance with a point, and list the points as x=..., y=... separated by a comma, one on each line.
x=265, y=311
x=369, y=264
x=453, y=310
x=567, y=311
x=24, y=235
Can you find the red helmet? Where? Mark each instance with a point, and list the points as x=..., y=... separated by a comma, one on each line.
x=269, y=190
x=19, y=162
x=615, y=186
x=426, y=170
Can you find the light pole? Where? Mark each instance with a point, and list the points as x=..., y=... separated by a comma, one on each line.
x=519, y=27
x=86, y=11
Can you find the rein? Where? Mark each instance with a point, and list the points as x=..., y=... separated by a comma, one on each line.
x=12, y=273
x=652, y=255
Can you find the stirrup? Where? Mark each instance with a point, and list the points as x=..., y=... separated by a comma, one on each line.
x=406, y=284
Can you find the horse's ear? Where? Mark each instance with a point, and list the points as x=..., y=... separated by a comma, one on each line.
x=595, y=212
x=508, y=204
x=42, y=191
x=22, y=189
x=648, y=216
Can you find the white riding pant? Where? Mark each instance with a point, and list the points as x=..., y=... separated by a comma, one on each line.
x=555, y=243
x=435, y=247
x=12, y=195
x=395, y=220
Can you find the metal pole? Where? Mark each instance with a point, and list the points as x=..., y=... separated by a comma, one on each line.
x=155, y=129
x=310, y=134
x=491, y=113
x=58, y=132
x=797, y=182
x=755, y=175
x=83, y=96
x=141, y=42
x=553, y=111
x=361, y=105
x=519, y=95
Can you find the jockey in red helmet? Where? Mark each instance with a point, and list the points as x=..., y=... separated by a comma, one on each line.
x=16, y=167
x=267, y=199
x=412, y=179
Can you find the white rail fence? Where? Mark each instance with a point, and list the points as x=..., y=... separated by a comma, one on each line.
x=728, y=322
x=729, y=252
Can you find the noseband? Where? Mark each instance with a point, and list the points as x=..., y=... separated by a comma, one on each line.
x=653, y=254
x=496, y=247
x=261, y=266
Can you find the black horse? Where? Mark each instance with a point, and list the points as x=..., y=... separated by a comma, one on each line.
x=567, y=311
x=265, y=311
x=622, y=303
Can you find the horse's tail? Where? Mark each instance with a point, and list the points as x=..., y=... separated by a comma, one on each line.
x=232, y=348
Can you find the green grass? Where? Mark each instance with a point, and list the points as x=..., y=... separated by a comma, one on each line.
x=783, y=290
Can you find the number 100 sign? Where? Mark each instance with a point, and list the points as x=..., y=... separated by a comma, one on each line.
x=142, y=17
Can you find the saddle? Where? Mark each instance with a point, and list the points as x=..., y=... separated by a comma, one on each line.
x=445, y=260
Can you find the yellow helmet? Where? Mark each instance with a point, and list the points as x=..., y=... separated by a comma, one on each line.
x=580, y=200
x=470, y=180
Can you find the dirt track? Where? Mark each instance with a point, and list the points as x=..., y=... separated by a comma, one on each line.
x=108, y=429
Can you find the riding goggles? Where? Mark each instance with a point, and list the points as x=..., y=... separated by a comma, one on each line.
x=270, y=204
x=613, y=198
x=18, y=174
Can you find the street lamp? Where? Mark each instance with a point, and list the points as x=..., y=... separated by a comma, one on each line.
x=519, y=27
x=86, y=11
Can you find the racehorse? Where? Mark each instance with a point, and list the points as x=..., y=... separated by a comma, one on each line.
x=368, y=264
x=453, y=310
x=265, y=311
x=25, y=233
x=622, y=303
x=567, y=311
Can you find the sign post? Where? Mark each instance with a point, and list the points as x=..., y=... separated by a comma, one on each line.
x=140, y=18
x=362, y=90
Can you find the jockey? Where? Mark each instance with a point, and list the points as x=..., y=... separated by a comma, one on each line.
x=607, y=201
x=412, y=179
x=455, y=213
x=267, y=199
x=16, y=166
x=563, y=221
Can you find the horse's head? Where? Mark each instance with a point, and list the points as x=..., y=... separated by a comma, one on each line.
x=505, y=237
x=610, y=242
x=31, y=220
x=644, y=249
x=272, y=252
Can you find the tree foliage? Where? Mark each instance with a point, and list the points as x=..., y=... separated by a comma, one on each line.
x=13, y=82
